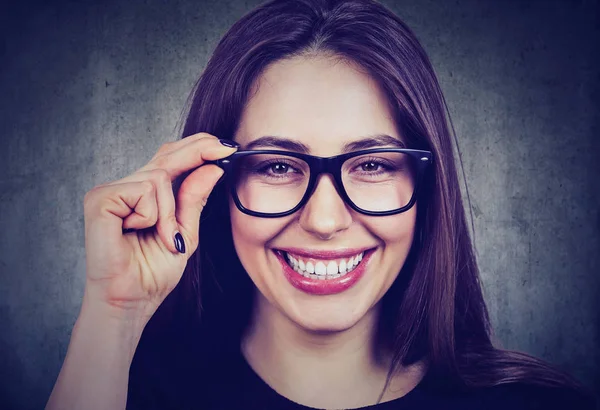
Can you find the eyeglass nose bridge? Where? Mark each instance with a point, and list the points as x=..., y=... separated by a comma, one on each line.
x=319, y=166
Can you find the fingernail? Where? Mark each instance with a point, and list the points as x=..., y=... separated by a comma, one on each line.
x=179, y=243
x=229, y=143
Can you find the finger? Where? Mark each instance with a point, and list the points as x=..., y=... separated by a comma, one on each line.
x=192, y=197
x=175, y=145
x=145, y=210
x=166, y=225
x=189, y=156
x=110, y=209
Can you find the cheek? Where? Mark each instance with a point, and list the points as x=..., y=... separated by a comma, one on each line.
x=396, y=234
x=395, y=230
x=251, y=238
x=252, y=234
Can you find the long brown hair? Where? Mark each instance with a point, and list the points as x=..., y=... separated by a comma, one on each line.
x=435, y=309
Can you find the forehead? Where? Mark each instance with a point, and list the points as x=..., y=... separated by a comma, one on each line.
x=321, y=102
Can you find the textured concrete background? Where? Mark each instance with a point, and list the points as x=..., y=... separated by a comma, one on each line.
x=90, y=90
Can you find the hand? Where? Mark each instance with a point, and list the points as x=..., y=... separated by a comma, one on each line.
x=132, y=273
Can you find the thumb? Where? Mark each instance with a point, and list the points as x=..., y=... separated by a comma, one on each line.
x=191, y=199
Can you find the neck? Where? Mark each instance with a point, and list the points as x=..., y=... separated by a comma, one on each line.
x=318, y=368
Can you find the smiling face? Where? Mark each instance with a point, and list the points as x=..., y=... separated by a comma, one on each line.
x=325, y=105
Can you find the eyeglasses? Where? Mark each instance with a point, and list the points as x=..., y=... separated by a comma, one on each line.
x=376, y=182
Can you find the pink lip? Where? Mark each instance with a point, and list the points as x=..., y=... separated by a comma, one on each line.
x=325, y=255
x=324, y=286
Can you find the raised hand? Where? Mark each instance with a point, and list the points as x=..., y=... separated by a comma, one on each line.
x=132, y=273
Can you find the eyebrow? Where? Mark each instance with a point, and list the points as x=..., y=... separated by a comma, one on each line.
x=370, y=141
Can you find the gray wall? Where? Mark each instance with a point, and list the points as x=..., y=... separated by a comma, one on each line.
x=88, y=92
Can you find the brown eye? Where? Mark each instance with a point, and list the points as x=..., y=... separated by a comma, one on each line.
x=370, y=166
x=279, y=168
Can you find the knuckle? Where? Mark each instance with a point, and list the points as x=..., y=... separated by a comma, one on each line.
x=90, y=196
x=148, y=186
x=198, y=149
x=209, y=136
x=160, y=161
x=204, y=135
x=204, y=138
x=167, y=146
x=203, y=202
x=161, y=176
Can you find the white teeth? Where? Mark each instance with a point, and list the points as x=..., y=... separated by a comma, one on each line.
x=292, y=261
x=324, y=269
x=320, y=268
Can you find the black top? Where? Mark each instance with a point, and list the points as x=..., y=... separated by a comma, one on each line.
x=175, y=375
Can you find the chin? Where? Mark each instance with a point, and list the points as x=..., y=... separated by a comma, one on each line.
x=326, y=316
x=326, y=325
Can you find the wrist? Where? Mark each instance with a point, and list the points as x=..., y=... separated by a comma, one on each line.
x=125, y=313
x=117, y=327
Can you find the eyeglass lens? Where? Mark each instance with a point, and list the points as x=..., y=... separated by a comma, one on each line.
x=273, y=183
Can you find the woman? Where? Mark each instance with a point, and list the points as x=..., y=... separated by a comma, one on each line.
x=333, y=267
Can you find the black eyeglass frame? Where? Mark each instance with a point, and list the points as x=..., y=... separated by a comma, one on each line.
x=325, y=165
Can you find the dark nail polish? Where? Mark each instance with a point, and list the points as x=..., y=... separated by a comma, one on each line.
x=229, y=143
x=179, y=243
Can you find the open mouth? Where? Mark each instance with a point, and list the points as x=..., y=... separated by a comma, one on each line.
x=322, y=269
x=323, y=274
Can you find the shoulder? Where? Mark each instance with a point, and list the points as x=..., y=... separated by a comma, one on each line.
x=440, y=394
x=521, y=396
x=171, y=369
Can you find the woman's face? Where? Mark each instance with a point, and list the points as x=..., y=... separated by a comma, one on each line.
x=323, y=104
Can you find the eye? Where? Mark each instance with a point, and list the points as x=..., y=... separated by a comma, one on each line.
x=370, y=166
x=279, y=168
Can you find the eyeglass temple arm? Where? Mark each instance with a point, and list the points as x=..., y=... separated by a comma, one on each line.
x=221, y=163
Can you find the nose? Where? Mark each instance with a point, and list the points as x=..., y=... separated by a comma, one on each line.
x=325, y=213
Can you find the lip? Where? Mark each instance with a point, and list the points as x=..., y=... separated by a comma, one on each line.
x=324, y=254
x=325, y=286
